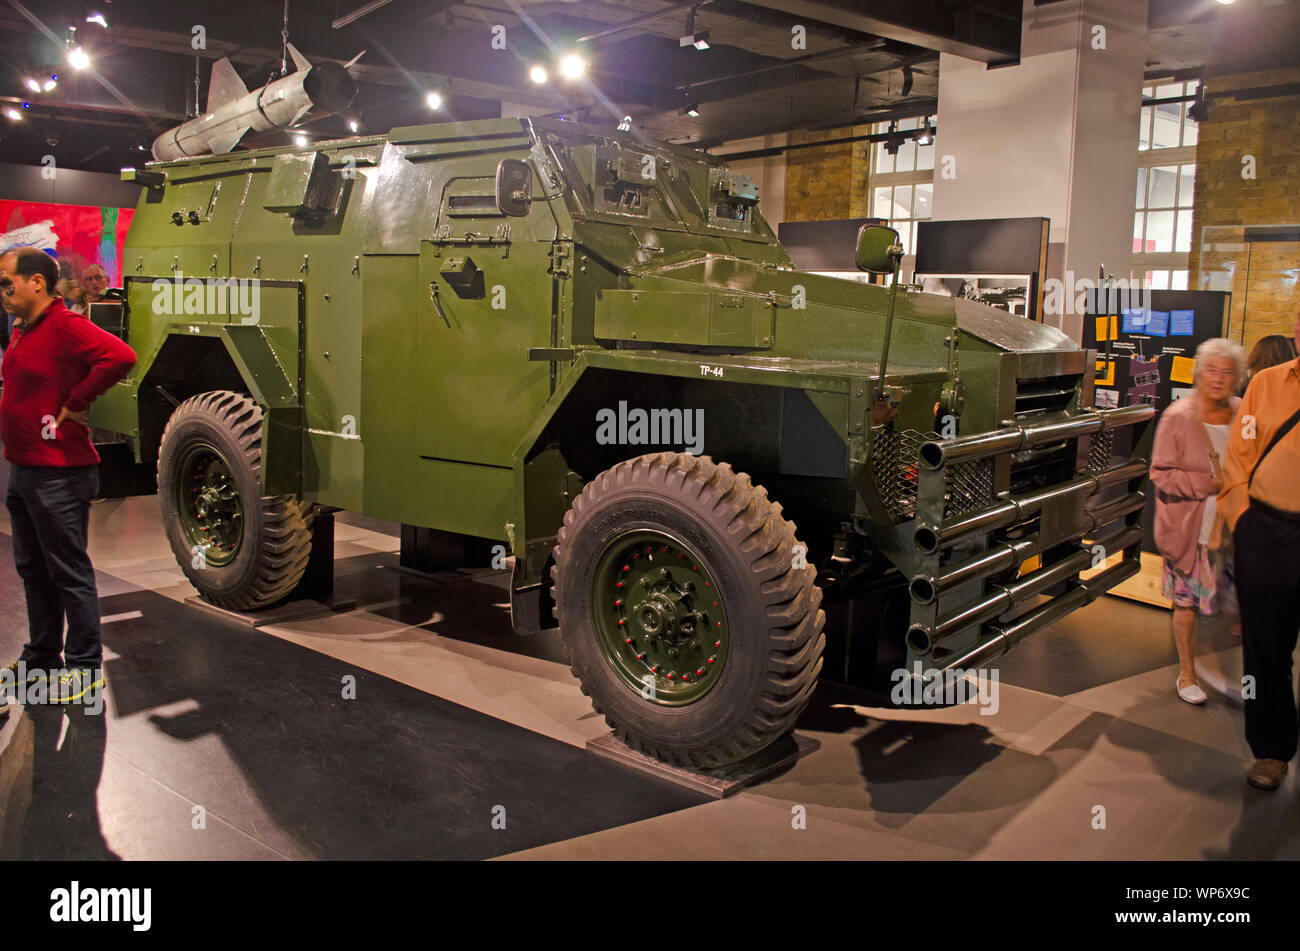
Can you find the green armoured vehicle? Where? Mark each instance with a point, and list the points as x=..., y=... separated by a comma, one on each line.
x=593, y=349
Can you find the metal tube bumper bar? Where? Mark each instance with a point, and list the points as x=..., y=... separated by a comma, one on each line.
x=1006, y=636
x=1014, y=509
x=1008, y=596
x=1006, y=555
x=935, y=455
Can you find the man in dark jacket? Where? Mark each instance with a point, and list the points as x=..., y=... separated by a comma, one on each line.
x=55, y=366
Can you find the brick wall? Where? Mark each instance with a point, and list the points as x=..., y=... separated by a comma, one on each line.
x=827, y=183
x=1268, y=129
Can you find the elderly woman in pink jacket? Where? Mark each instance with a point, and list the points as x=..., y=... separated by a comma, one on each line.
x=1187, y=474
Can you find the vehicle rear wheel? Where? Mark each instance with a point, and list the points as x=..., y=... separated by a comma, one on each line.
x=241, y=550
x=685, y=610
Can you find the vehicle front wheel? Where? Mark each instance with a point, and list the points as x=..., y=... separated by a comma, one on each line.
x=241, y=550
x=686, y=610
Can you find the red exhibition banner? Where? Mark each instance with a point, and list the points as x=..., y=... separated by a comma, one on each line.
x=78, y=235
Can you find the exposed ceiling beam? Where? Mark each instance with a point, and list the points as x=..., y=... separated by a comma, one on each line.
x=982, y=34
x=638, y=21
x=359, y=12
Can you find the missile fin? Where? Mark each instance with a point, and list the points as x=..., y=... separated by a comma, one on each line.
x=298, y=115
x=225, y=86
x=353, y=61
x=300, y=62
x=226, y=141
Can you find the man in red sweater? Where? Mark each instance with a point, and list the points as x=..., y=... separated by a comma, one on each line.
x=55, y=366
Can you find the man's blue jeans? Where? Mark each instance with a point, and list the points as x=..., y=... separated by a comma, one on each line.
x=49, y=508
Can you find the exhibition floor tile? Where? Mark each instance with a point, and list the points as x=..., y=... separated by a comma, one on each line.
x=1090, y=754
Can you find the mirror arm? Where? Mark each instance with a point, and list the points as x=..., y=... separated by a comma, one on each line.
x=896, y=252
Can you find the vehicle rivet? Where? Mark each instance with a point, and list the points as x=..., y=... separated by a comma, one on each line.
x=620, y=622
x=670, y=676
x=628, y=641
x=700, y=672
x=717, y=643
x=627, y=567
x=640, y=656
x=618, y=603
x=711, y=659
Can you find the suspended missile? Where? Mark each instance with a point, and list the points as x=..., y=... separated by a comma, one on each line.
x=233, y=110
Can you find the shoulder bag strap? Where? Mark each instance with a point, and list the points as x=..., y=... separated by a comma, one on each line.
x=1285, y=428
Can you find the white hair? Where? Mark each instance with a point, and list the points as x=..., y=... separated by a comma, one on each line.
x=1221, y=348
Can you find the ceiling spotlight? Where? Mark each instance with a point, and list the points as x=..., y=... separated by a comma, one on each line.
x=927, y=134
x=32, y=84
x=98, y=18
x=433, y=100
x=300, y=139
x=352, y=124
x=572, y=66
x=538, y=74
x=692, y=109
x=895, y=140
x=1199, y=111
x=50, y=83
x=697, y=38
x=1226, y=2
x=13, y=114
x=625, y=124
x=77, y=58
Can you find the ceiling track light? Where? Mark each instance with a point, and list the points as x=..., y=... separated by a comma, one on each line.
x=691, y=105
x=1199, y=111
x=927, y=134
x=895, y=140
x=698, y=39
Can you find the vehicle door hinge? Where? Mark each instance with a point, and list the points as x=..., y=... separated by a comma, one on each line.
x=561, y=256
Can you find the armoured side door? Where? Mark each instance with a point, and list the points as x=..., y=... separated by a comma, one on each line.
x=485, y=298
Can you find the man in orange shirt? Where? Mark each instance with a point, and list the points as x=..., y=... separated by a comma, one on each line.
x=1260, y=500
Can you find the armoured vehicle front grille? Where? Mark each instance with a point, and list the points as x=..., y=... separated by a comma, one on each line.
x=1101, y=450
x=896, y=455
x=1045, y=395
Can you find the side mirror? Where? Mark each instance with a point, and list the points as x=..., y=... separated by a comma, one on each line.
x=879, y=249
x=514, y=188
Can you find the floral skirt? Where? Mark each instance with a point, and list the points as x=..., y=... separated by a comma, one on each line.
x=1209, y=587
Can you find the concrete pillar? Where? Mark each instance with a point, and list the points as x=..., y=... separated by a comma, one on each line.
x=1055, y=136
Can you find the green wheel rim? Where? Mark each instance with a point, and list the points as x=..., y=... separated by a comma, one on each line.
x=208, y=501
x=659, y=618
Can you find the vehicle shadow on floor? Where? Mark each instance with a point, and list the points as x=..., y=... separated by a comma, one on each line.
x=312, y=764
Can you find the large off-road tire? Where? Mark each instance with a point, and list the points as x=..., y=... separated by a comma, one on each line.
x=241, y=550
x=686, y=611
